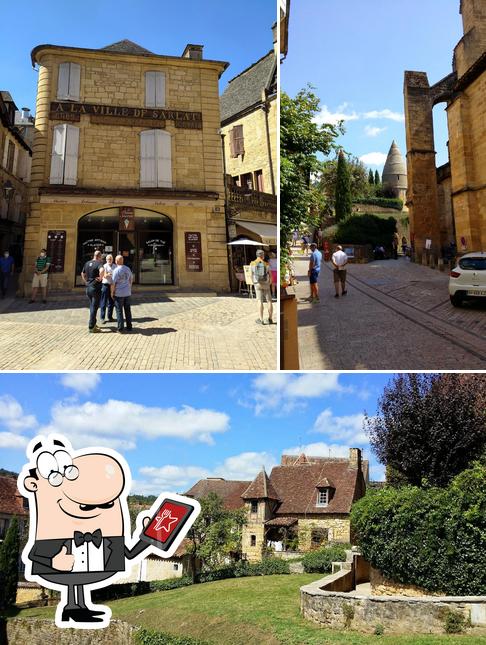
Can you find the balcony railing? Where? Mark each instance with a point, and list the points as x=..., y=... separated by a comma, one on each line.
x=246, y=199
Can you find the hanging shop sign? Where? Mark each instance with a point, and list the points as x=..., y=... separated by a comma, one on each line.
x=193, y=251
x=126, y=223
x=56, y=250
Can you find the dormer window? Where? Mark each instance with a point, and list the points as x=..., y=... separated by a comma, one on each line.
x=322, y=497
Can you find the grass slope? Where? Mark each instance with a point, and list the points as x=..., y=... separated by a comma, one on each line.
x=239, y=611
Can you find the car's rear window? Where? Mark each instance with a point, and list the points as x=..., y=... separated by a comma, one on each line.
x=473, y=264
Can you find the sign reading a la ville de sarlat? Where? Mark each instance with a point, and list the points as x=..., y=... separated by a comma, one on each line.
x=124, y=115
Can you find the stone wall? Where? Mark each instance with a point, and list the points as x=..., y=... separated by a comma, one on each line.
x=339, y=529
x=381, y=586
x=44, y=632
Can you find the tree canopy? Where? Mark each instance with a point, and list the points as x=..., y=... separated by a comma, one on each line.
x=9, y=565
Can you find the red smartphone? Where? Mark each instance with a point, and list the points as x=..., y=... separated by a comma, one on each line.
x=166, y=523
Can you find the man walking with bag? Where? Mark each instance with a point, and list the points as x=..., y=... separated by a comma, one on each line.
x=260, y=273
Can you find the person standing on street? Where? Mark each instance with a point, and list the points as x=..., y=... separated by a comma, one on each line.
x=7, y=268
x=121, y=292
x=339, y=261
x=92, y=275
x=107, y=302
x=315, y=260
x=260, y=273
x=41, y=272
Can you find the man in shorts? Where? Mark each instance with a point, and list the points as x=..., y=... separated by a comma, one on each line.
x=92, y=275
x=260, y=272
x=315, y=260
x=121, y=292
x=339, y=261
x=41, y=272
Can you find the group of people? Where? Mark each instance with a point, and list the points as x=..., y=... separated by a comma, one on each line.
x=339, y=260
x=109, y=288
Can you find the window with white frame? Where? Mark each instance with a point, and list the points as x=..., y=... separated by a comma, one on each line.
x=322, y=497
x=64, y=156
x=154, y=89
x=68, y=81
x=155, y=159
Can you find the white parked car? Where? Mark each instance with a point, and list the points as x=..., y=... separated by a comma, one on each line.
x=468, y=278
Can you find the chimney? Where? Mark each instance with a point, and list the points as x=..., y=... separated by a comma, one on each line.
x=25, y=113
x=195, y=52
x=355, y=458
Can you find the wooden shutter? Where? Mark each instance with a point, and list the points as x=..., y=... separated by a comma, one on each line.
x=239, y=141
x=71, y=155
x=148, y=175
x=74, y=80
x=57, y=155
x=150, y=89
x=63, y=81
x=164, y=159
x=233, y=152
x=159, y=89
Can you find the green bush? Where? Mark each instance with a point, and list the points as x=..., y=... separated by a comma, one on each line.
x=172, y=583
x=267, y=567
x=152, y=637
x=386, y=202
x=434, y=538
x=321, y=561
x=366, y=229
x=454, y=622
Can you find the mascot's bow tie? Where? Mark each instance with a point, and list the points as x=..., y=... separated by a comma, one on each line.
x=81, y=538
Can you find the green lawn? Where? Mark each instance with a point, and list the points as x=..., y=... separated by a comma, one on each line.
x=262, y=610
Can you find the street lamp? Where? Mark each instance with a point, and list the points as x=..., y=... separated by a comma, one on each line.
x=8, y=192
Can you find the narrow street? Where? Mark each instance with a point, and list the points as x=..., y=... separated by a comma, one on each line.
x=396, y=315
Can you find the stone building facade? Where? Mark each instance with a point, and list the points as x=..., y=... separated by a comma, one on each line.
x=449, y=204
x=127, y=158
x=15, y=165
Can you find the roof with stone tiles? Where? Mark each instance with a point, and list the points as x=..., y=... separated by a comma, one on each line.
x=229, y=491
x=261, y=488
x=11, y=501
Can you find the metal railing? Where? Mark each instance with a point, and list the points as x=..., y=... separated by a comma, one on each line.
x=247, y=199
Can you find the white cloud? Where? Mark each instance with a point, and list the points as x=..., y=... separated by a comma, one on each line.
x=347, y=428
x=374, y=159
x=81, y=382
x=245, y=465
x=384, y=114
x=373, y=131
x=326, y=116
x=377, y=473
x=12, y=415
x=11, y=440
x=319, y=449
x=118, y=423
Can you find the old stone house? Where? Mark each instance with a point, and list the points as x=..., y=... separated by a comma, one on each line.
x=304, y=503
x=12, y=504
x=127, y=158
x=15, y=165
x=448, y=204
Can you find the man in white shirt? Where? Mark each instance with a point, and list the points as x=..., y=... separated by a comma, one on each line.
x=339, y=261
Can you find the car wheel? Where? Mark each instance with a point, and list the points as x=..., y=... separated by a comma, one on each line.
x=456, y=300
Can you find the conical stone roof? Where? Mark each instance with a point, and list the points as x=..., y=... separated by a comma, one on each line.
x=395, y=170
x=260, y=488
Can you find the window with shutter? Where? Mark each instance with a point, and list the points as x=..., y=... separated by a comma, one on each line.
x=239, y=141
x=233, y=152
x=155, y=159
x=10, y=156
x=154, y=89
x=68, y=81
x=64, y=156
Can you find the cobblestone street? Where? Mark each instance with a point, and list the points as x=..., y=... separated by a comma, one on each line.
x=396, y=315
x=176, y=332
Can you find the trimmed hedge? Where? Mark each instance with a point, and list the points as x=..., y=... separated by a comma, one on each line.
x=366, y=229
x=152, y=637
x=321, y=561
x=386, y=202
x=434, y=538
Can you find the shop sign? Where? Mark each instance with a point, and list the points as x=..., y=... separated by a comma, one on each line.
x=125, y=115
x=126, y=216
x=94, y=243
x=56, y=250
x=193, y=252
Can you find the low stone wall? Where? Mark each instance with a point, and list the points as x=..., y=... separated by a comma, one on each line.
x=35, y=631
x=398, y=615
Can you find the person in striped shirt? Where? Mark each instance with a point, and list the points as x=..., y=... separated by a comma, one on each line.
x=41, y=272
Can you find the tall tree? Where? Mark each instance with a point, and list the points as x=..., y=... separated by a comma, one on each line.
x=301, y=138
x=343, y=200
x=377, y=178
x=371, y=179
x=9, y=565
x=429, y=427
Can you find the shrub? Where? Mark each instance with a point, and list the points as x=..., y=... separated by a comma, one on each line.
x=152, y=637
x=454, y=622
x=321, y=561
x=366, y=229
x=348, y=613
x=386, y=202
x=379, y=629
x=430, y=537
x=9, y=567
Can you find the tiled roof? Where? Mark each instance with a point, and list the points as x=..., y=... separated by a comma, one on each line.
x=297, y=486
x=11, y=501
x=293, y=460
x=281, y=521
x=260, y=488
x=126, y=47
x=245, y=90
x=229, y=491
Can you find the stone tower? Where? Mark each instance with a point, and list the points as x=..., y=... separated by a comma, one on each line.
x=260, y=501
x=394, y=176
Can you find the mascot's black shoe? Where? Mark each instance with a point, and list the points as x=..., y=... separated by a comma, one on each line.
x=81, y=616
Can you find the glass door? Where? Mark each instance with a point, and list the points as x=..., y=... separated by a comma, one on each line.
x=155, y=257
x=127, y=247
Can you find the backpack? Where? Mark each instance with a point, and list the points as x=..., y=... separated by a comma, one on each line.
x=260, y=273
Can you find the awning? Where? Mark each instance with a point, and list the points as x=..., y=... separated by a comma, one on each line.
x=266, y=233
x=281, y=521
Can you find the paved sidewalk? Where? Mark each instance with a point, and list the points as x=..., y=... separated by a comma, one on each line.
x=396, y=316
x=175, y=332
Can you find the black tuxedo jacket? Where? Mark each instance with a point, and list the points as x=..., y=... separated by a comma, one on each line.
x=115, y=552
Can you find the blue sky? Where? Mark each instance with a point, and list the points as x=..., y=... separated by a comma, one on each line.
x=355, y=54
x=237, y=32
x=174, y=429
